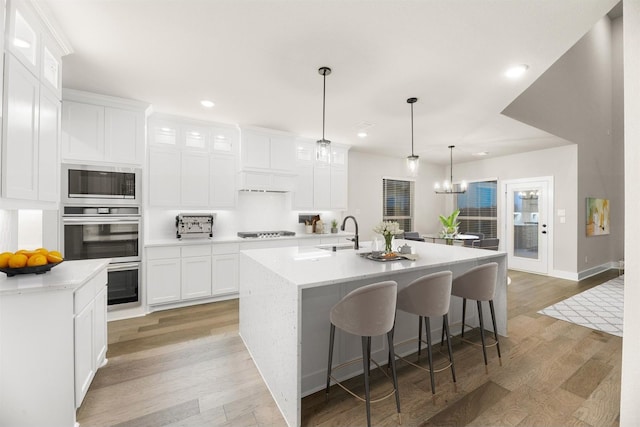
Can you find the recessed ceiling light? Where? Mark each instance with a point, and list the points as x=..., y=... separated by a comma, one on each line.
x=206, y=103
x=516, y=71
x=481, y=153
x=362, y=134
x=21, y=43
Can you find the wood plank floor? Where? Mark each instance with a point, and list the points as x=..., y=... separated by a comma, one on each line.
x=188, y=367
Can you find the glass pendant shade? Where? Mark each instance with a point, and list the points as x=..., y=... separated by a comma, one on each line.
x=448, y=187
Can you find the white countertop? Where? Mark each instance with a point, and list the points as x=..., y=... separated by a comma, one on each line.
x=236, y=239
x=310, y=267
x=68, y=275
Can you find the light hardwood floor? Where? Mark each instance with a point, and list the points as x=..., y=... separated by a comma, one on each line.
x=188, y=367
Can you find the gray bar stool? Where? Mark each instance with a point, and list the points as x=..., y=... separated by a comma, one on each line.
x=429, y=296
x=367, y=311
x=479, y=283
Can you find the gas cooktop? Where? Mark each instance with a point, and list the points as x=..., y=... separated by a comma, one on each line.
x=264, y=234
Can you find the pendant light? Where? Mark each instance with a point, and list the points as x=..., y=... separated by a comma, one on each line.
x=448, y=187
x=413, y=161
x=322, y=145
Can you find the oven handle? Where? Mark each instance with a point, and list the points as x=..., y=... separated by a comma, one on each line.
x=123, y=266
x=100, y=220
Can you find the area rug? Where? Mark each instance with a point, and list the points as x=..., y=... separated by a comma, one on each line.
x=598, y=308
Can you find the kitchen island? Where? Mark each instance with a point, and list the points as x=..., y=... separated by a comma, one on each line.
x=286, y=295
x=52, y=339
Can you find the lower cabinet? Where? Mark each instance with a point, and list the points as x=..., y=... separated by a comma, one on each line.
x=189, y=272
x=90, y=333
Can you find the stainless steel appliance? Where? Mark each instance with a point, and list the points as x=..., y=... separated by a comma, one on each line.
x=83, y=184
x=264, y=234
x=107, y=232
x=194, y=225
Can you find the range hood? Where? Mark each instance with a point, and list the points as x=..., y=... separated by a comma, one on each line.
x=266, y=181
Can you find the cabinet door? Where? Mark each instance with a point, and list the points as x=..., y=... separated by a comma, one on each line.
x=339, y=188
x=282, y=153
x=82, y=131
x=49, y=137
x=164, y=177
x=124, y=136
x=322, y=186
x=196, y=277
x=339, y=156
x=195, y=138
x=303, y=192
x=100, y=328
x=162, y=132
x=84, y=363
x=51, y=68
x=223, y=188
x=163, y=281
x=24, y=36
x=225, y=274
x=194, y=182
x=256, y=151
x=20, y=132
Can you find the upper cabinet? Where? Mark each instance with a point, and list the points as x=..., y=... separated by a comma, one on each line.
x=31, y=109
x=102, y=129
x=192, y=164
x=268, y=160
x=319, y=185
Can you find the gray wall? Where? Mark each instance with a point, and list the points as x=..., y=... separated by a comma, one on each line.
x=574, y=100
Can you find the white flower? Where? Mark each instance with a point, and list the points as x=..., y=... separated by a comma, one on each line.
x=387, y=227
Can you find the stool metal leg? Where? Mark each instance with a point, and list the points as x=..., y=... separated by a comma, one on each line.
x=445, y=321
x=332, y=335
x=464, y=310
x=484, y=348
x=366, y=351
x=419, y=335
x=427, y=325
x=393, y=371
x=495, y=328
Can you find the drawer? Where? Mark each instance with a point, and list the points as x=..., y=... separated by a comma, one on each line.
x=226, y=248
x=163, y=252
x=199, y=250
x=85, y=294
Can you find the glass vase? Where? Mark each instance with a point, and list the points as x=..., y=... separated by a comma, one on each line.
x=388, y=243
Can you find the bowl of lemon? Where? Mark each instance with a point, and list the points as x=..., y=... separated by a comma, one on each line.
x=37, y=261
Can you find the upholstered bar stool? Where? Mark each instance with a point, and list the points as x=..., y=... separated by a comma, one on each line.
x=479, y=284
x=367, y=311
x=426, y=297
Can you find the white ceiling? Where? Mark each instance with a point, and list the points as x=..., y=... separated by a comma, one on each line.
x=258, y=60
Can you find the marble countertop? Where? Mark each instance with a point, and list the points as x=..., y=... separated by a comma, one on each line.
x=310, y=266
x=235, y=239
x=68, y=275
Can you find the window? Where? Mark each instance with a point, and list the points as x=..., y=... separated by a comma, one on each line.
x=397, y=202
x=478, y=209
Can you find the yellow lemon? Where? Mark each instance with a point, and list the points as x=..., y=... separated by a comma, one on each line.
x=43, y=251
x=4, y=259
x=56, y=253
x=37, y=260
x=17, y=261
x=53, y=259
x=27, y=253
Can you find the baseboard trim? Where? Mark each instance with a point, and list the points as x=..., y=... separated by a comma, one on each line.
x=597, y=270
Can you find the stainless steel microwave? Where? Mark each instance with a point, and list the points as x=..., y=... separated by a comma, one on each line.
x=84, y=184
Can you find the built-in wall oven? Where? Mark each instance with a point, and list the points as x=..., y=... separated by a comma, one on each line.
x=107, y=232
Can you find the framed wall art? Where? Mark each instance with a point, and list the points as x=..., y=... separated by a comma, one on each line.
x=598, y=217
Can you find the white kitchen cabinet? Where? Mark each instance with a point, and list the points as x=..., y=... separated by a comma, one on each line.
x=20, y=133
x=282, y=152
x=51, y=70
x=195, y=137
x=100, y=337
x=256, y=150
x=222, y=183
x=196, y=271
x=84, y=363
x=124, y=135
x=24, y=35
x=102, y=129
x=163, y=132
x=164, y=177
x=267, y=161
x=48, y=139
x=339, y=188
x=163, y=280
x=194, y=179
x=224, y=274
x=322, y=186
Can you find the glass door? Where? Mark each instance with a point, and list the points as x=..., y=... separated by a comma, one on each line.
x=527, y=233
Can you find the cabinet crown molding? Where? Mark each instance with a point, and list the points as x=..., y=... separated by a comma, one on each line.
x=103, y=100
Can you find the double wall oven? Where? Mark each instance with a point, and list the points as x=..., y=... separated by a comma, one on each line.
x=101, y=218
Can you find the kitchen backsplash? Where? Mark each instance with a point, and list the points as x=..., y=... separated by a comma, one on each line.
x=255, y=211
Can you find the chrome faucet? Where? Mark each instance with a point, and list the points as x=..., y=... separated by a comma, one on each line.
x=355, y=239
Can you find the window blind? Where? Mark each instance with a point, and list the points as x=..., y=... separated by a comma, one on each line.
x=479, y=209
x=397, y=202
